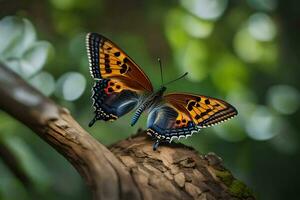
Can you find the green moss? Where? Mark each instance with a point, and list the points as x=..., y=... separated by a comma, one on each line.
x=239, y=189
x=225, y=177
x=235, y=187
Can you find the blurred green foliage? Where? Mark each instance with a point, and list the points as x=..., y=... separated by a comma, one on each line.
x=246, y=52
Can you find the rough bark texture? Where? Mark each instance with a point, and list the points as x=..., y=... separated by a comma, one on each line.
x=130, y=169
x=177, y=172
x=102, y=171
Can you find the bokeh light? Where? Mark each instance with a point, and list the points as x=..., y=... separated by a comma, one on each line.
x=284, y=98
x=44, y=82
x=71, y=86
x=193, y=60
x=205, y=9
x=261, y=27
x=196, y=27
x=246, y=47
x=251, y=50
x=263, y=124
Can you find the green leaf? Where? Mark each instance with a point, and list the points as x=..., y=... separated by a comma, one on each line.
x=70, y=86
x=28, y=37
x=34, y=58
x=44, y=82
x=11, y=30
x=28, y=161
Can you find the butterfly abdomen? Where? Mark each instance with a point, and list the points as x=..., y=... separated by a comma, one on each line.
x=138, y=112
x=149, y=103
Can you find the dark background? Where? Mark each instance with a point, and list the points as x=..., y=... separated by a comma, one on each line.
x=245, y=52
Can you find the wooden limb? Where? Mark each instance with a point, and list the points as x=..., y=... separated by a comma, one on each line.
x=102, y=171
x=130, y=169
x=177, y=172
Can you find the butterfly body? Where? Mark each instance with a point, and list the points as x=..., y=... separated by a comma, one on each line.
x=148, y=103
x=121, y=86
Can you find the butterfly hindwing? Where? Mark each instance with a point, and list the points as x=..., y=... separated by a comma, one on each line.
x=166, y=122
x=112, y=99
x=190, y=113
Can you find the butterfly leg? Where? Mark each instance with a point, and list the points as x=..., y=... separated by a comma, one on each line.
x=156, y=144
x=92, y=122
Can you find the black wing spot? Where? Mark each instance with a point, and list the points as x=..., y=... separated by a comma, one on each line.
x=118, y=63
x=207, y=101
x=108, y=70
x=117, y=54
x=125, y=60
x=110, y=89
x=124, y=68
x=190, y=105
x=198, y=99
x=177, y=121
x=197, y=117
x=118, y=86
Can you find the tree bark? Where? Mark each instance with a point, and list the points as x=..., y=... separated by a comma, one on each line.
x=129, y=169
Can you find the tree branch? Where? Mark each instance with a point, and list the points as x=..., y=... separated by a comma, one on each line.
x=177, y=172
x=130, y=169
x=101, y=170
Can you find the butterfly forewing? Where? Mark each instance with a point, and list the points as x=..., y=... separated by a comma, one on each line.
x=119, y=81
x=107, y=60
x=204, y=111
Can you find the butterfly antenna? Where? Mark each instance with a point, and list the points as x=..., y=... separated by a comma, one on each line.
x=186, y=73
x=161, y=72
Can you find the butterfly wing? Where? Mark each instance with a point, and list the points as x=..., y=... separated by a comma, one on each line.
x=205, y=111
x=112, y=99
x=119, y=81
x=183, y=114
x=107, y=60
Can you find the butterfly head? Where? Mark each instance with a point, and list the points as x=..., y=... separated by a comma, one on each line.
x=162, y=90
x=156, y=96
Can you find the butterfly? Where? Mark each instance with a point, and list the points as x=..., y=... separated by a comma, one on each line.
x=121, y=86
